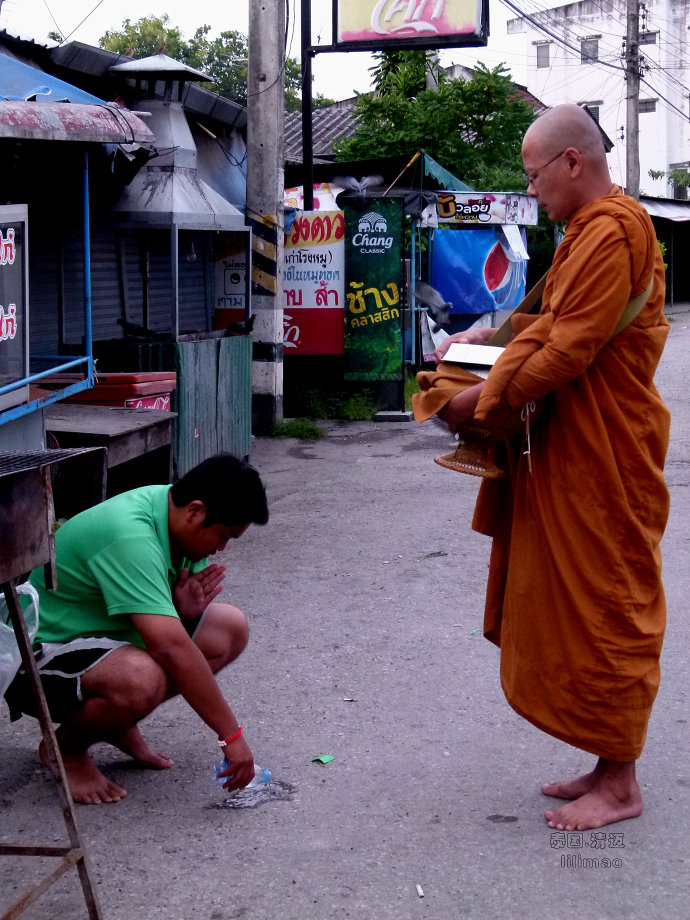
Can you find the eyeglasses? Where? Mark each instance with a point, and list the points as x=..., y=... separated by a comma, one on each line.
x=530, y=178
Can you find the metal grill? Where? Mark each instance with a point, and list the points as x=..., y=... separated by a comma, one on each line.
x=18, y=461
x=26, y=541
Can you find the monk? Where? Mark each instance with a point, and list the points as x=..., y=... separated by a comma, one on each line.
x=574, y=599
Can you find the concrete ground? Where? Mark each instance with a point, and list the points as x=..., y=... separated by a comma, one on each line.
x=364, y=594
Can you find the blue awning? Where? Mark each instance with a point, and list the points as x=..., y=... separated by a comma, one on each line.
x=19, y=82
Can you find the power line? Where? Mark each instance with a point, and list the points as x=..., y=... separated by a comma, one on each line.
x=81, y=23
x=562, y=41
x=50, y=13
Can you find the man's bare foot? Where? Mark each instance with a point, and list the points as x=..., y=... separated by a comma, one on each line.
x=608, y=794
x=86, y=782
x=132, y=742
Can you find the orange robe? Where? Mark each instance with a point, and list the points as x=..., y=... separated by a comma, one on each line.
x=574, y=598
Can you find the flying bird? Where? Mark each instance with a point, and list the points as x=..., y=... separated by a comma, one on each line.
x=359, y=186
x=438, y=307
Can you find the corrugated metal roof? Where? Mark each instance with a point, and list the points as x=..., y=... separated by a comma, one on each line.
x=667, y=208
x=67, y=121
x=329, y=124
x=96, y=62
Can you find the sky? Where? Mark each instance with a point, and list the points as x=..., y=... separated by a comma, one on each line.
x=337, y=76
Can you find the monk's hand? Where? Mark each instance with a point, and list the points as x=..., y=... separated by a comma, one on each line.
x=461, y=407
x=468, y=337
x=193, y=593
x=240, y=771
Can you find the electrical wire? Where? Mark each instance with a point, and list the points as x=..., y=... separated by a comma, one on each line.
x=81, y=23
x=536, y=9
x=553, y=35
x=50, y=13
x=562, y=41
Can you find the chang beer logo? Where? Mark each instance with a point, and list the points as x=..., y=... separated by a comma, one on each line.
x=372, y=234
x=419, y=16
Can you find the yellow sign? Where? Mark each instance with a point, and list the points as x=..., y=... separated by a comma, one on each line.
x=431, y=23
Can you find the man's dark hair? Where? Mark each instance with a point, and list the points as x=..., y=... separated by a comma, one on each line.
x=230, y=488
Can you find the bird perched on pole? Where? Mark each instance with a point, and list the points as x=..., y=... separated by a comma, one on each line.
x=438, y=307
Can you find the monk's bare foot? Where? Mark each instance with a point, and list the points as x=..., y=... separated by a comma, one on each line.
x=132, y=742
x=611, y=793
x=86, y=782
x=572, y=788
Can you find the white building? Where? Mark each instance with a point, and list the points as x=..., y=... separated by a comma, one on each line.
x=575, y=53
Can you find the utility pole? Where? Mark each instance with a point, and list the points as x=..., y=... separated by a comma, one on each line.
x=307, y=124
x=432, y=69
x=265, y=160
x=632, y=77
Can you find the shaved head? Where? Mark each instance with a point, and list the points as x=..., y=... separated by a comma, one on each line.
x=565, y=160
x=567, y=126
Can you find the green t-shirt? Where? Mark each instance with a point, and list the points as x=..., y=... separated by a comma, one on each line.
x=112, y=560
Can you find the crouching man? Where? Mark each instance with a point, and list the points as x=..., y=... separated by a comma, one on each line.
x=134, y=620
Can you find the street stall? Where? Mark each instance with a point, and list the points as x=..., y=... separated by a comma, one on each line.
x=73, y=132
x=166, y=235
x=346, y=313
x=379, y=227
x=179, y=244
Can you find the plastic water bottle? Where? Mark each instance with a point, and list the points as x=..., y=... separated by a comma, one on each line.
x=262, y=776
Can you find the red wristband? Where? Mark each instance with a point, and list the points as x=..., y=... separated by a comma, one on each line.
x=230, y=740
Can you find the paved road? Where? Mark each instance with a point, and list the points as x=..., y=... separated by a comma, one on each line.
x=364, y=593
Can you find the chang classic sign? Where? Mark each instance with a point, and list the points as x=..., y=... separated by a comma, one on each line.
x=378, y=24
x=372, y=234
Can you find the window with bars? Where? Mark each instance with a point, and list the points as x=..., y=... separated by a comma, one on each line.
x=676, y=172
x=589, y=50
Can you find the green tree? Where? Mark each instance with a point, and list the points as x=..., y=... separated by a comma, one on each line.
x=472, y=127
x=223, y=58
x=149, y=35
x=399, y=73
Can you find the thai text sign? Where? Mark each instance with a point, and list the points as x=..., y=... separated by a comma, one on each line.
x=13, y=319
x=313, y=284
x=377, y=24
x=230, y=276
x=484, y=208
x=373, y=276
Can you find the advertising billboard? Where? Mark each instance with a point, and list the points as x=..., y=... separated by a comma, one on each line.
x=313, y=284
x=375, y=25
x=374, y=288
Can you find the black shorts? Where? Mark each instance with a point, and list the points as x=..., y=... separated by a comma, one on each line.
x=61, y=667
